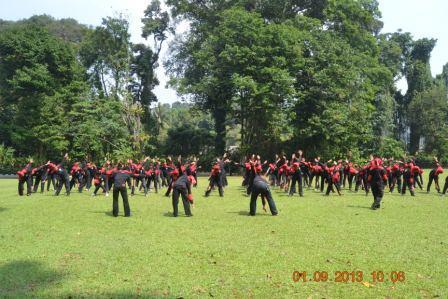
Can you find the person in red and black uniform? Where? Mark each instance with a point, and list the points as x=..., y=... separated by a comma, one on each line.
x=296, y=176
x=120, y=177
x=89, y=170
x=418, y=179
x=222, y=165
x=408, y=179
x=271, y=173
x=377, y=178
x=39, y=174
x=164, y=174
x=131, y=167
x=25, y=176
x=193, y=168
x=99, y=178
x=259, y=186
x=182, y=187
x=306, y=173
x=445, y=187
x=246, y=167
x=63, y=177
x=364, y=175
x=77, y=173
x=316, y=172
x=215, y=180
x=352, y=173
x=397, y=174
x=106, y=173
x=434, y=176
x=52, y=175
x=153, y=177
x=334, y=180
x=326, y=173
x=174, y=174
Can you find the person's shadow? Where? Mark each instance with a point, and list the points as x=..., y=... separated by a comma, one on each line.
x=359, y=207
x=109, y=213
x=246, y=213
x=24, y=278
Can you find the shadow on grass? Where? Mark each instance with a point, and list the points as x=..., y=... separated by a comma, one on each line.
x=246, y=213
x=2, y=209
x=170, y=215
x=23, y=278
x=242, y=213
x=109, y=213
x=359, y=207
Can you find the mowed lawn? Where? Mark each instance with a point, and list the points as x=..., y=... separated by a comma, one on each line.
x=73, y=247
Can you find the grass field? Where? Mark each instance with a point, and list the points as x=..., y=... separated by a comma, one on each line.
x=72, y=247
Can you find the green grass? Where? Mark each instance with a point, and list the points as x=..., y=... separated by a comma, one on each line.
x=71, y=246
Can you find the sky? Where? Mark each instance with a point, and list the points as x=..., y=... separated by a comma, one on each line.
x=420, y=18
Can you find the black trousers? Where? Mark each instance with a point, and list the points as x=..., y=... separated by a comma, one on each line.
x=330, y=186
x=324, y=177
x=164, y=177
x=350, y=178
x=215, y=180
x=168, y=191
x=378, y=193
x=89, y=176
x=180, y=192
x=316, y=184
x=407, y=183
x=155, y=180
x=97, y=187
x=52, y=179
x=435, y=178
x=29, y=183
x=445, y=187
x=124, y=195
x=366, y=184
x=107, y=182
x=45, y=176
x=296, y=178
x=224, y=179
x=63, y=179
x=418, y=181
x=358, y=181
x=306, y=177
x=37, y=180
x=261, y=188
x=396, y=180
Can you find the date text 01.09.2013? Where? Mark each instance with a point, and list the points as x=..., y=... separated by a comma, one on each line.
x=348, y=276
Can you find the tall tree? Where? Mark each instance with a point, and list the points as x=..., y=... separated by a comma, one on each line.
x=37, y=71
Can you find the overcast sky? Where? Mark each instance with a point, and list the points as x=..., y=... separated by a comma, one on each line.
x=421, y=18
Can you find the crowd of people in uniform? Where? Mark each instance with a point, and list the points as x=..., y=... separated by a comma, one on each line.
x=292, y=175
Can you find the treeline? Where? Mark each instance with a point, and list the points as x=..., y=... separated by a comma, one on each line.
x=67, y=87
x=262, y=76
x=313, y=74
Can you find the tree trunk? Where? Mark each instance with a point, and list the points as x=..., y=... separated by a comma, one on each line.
x=414, y=139
x=219, y=115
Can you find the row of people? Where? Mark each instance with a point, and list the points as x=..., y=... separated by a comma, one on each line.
x=294, y=175
x=283, y=173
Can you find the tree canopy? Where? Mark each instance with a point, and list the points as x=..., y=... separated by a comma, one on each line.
x=262, y=76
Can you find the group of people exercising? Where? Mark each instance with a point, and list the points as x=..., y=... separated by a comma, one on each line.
x=291, y=175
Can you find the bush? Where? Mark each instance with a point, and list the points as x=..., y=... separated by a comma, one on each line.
x=391, y=148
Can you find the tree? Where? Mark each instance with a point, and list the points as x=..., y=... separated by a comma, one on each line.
x=429, y=110
x=35, y=68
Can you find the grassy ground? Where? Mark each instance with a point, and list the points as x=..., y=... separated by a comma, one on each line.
x=62, y=247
